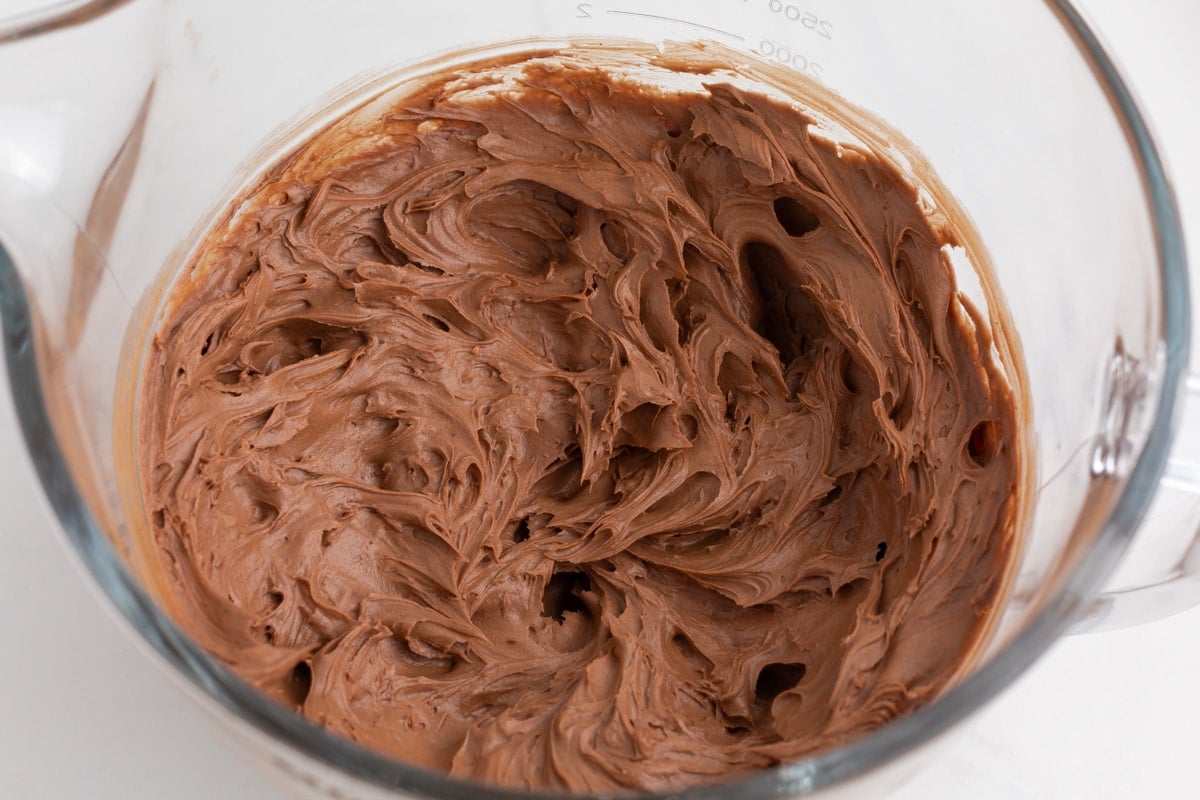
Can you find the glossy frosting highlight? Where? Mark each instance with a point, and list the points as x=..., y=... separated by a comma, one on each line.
x=552, y=430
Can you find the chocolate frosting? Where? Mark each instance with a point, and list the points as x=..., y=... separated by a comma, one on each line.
x=553, y=430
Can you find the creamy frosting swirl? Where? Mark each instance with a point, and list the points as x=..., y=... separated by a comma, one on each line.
x=553, y=430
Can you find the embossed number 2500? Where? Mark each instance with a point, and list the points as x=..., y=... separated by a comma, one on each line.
x=823, y=27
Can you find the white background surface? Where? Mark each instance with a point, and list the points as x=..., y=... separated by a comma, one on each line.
x=83, y=714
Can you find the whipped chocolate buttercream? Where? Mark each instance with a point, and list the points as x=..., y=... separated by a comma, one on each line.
x=550, y=429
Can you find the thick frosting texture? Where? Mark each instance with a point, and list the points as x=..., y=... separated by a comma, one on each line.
x=554, y=431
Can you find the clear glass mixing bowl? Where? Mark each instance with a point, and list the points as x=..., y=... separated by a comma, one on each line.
x=124, y=125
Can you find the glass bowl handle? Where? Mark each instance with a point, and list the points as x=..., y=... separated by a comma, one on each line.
x=1160, y=575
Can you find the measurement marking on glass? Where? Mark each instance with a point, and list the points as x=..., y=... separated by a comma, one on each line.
x=821, y=27
x=777, y=51
x=680, y=21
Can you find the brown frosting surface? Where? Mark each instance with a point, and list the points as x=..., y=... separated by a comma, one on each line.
x=554, y=431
